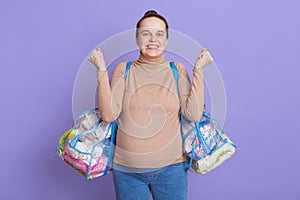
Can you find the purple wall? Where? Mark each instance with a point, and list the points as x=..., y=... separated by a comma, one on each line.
x=254, y=43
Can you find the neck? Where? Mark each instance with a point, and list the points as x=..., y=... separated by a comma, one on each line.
x=143, y=59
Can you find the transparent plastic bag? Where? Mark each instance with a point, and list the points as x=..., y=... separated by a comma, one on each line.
x=205, y=143
x=89, y=145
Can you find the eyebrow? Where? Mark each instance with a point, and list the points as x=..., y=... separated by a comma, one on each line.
x=157, y=31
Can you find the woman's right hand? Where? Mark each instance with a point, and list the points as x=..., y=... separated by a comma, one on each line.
x=96, y=57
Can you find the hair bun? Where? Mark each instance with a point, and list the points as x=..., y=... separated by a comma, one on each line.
x=150, y=13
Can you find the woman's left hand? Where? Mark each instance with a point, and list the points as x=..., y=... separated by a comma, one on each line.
x=204, y=59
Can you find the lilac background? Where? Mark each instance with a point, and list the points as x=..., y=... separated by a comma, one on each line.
x=254, y=43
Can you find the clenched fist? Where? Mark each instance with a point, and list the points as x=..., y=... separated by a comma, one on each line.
x=96, y=57
x=204, y=59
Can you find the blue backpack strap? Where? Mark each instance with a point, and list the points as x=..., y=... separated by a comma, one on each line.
x=127, y=69
x=175, y=73
x=112, y=148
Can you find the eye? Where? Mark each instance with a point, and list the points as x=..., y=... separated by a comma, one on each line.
x=160, y=34
x=145, y=34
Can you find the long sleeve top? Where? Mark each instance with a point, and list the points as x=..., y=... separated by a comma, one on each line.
x=146, y=106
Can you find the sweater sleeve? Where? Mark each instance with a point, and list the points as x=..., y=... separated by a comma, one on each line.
x=191, y=96
x=110, y=94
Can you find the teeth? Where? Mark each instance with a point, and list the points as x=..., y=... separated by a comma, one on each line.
x=152, y=46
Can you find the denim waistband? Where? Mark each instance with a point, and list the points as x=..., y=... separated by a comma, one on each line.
x=126, y=169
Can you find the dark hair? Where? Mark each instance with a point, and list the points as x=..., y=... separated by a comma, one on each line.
x=152, y=13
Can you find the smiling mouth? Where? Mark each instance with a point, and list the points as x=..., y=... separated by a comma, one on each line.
x=152, y=46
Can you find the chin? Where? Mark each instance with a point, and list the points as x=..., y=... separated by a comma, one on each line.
x=153, y=54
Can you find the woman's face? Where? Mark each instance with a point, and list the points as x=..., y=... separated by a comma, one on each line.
x=152, y=37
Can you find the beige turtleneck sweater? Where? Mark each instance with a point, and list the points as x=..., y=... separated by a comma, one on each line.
x=146, y=106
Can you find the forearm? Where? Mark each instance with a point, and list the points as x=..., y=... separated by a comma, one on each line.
x=193, y=98
x=107, y=100
x=110, y=93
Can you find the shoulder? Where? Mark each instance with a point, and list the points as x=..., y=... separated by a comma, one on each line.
x=180, y=67
x=120, y=68
x=183, y=74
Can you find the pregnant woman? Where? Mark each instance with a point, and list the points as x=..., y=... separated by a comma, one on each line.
x=146, y=104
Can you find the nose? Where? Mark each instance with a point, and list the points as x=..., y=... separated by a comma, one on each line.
x=152, y=38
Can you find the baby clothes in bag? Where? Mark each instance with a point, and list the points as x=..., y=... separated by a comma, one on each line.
x=89, y=145
x=205, y=143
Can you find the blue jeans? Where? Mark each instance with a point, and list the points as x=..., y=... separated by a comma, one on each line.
x=167, y=183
